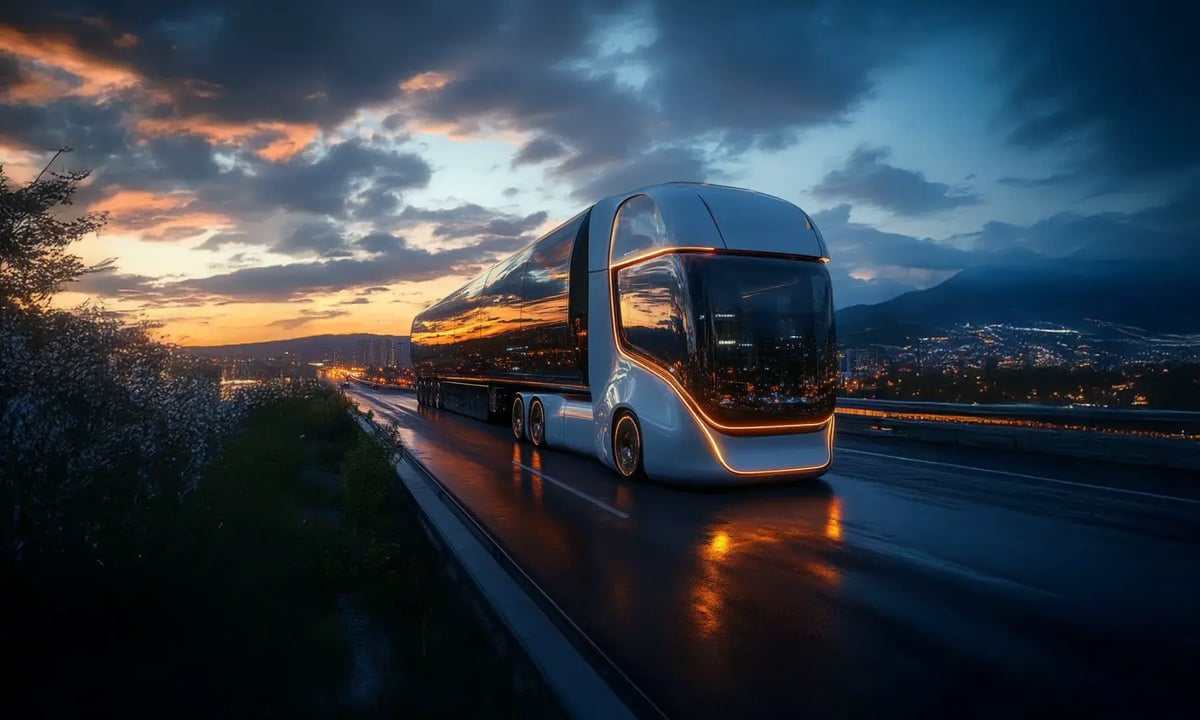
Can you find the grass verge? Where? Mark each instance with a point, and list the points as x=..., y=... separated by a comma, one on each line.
x=296, y=581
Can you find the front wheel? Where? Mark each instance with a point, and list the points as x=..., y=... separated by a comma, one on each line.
x=627, y=446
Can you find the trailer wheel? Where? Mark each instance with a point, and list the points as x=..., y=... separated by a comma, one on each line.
x=627, y=446
x=518, y=417
x=537, y=423
x=437, y=394
x=420, y=388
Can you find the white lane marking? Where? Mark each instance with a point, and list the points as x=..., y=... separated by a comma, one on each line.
x=598, y=503
x=1021, y=475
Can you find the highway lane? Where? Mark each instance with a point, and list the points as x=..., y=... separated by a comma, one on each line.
x=911, y=580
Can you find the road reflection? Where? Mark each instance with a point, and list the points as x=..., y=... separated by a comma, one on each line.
x=701, y=568
x=794, y=532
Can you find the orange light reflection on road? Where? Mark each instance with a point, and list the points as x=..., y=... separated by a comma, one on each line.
x=536, y=478
x=516, y=466
x=833, y=526
x=735, y=539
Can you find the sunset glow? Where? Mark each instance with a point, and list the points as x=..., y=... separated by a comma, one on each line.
x=349, y=170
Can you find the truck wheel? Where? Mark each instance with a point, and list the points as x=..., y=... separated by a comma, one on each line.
x=437, y=394
x=627, y=446
x=537, y=423
x=518, y=417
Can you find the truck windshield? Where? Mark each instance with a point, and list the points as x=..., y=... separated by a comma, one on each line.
x=750, y=338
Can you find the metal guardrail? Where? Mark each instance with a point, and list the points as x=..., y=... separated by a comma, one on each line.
x=1174, y=423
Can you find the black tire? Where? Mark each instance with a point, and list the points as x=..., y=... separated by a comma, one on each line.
x=627, y=447
x=537, y=423
x=437, y=394
x=516, y=417
x=420, y=387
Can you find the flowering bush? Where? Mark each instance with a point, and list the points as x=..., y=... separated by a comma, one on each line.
x=96, y=418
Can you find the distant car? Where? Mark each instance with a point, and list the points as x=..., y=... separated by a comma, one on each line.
x=345, y=383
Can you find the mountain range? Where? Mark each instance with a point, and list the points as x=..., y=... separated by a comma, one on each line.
x=1157, y=297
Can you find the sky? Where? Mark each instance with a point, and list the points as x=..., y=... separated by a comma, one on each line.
x=280, y=169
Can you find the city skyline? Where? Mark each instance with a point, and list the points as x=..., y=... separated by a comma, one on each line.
x=407, y=149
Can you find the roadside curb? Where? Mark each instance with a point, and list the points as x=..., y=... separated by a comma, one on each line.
x=579, y=687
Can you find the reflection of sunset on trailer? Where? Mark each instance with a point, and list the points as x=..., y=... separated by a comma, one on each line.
x=696, y=346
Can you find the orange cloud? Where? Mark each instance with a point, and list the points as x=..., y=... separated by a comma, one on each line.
x=35, y=87
x=158, y=216
x=425, y=81
x=94, y=76
x=272, y=140
x=125, y=201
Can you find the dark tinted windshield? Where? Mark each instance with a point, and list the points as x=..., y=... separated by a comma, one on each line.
x=751, y=338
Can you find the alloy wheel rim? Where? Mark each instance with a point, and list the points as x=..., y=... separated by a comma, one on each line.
x=537, y=423
x=628, y=446
x=518, y=418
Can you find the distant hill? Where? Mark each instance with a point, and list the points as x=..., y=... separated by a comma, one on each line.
x=1158, y=297
x=313, y=348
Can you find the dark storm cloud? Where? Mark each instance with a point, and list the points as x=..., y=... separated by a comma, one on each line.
x=595, y=118
x=468, y=212
x=378, y=203
x=111, y=284
x=493, y=229
x=315, y=237
x=1117, y=79
x=745, y=75
x=310, y=63
x=95, y=132
x=392, y=260
x=401, y=263
x=867, y=177
x=756, y=75
x=539, y=150
x=356, y=301
x=505, y=226
x=323, y=186
x=380, y=242
x=661, y=165
x=221, y=240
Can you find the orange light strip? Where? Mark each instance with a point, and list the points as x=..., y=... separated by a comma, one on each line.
x=683, y=392
x=623, y=262
x=703, y=425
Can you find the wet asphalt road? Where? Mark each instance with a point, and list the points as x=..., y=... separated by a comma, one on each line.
x=910, y=581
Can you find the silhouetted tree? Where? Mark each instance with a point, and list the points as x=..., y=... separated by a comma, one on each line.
x=35, y=234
